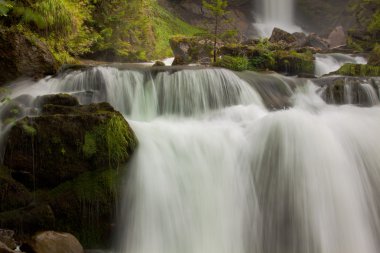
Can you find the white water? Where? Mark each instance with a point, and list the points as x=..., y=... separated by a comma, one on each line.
x=327, y=63
x=275, y=13
x=215, y=172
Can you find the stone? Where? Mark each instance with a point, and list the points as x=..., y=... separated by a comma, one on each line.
x=337, y=37
x=56, y=99
x=374, y=57
x=51, y=241
x=313, y=40
x=65, y=141
x=7, y=238
x=159, y=64
x=17, y=59
x=279, y=35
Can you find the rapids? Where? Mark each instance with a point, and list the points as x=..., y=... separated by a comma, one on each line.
x=216, y=171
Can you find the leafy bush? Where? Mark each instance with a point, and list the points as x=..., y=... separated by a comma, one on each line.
x=233, y=62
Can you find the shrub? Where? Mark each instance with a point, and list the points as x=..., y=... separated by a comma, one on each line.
x=233, y=62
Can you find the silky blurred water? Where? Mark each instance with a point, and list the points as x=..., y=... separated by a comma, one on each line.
x=217, y=172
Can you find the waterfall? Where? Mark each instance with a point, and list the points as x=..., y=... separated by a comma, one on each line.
x=327, y=63
x=275, y=13
x=218, y=172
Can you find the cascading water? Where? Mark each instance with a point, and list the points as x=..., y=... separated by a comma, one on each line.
x=327, y=63
x=275, y=13
x=216, y=172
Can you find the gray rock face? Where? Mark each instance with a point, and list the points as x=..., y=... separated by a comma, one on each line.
x=337, y=37
x=22, y=56
x=279, y=35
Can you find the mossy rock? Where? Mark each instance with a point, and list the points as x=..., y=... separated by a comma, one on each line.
x=293, y=63
x=350, y=69
x=65, y=141
x=235, y=63
x=86, y=206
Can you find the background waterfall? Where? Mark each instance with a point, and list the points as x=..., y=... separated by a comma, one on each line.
x=275, y=13
x=217, y=172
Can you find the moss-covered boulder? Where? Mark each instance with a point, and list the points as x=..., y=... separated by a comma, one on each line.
x=65, y=141
x=292, y=62
x=236, y=63
x=279, y=35
x=351, y=69
x=189, y=50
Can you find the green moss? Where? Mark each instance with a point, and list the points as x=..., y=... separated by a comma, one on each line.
x=293, y=62
x=89, y=146
x=29, y=130
x=350, y=69
x=233, y=62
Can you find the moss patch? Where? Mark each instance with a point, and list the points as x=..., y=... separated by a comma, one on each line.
x=350, y=69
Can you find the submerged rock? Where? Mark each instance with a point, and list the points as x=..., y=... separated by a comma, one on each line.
x=67, y=140
x=50, y=241
x=23, y=56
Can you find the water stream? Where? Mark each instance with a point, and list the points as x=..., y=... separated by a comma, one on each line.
x=216, y=171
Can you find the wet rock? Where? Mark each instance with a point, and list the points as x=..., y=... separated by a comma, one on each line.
x=65, y=141
x=56, y=99
x=337, y=37
x=7, y=238
x=50, y=241
x=23, y=56
x=363, y=70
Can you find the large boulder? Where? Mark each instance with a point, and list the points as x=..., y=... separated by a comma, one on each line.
x=337, y=37
x=51, y=241
x=279, y=36
x=313, y=40
x=65, y=141
x=188, y=50
x=21, y=55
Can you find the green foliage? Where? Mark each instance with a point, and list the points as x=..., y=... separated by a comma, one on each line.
x=233, y=62
x=5, y=7
x=350, y=69
x=89, y=146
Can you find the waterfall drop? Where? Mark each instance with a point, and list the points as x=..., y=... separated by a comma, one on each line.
x=275, y=13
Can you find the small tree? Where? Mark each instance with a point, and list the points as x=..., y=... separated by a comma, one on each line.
x=218, y=10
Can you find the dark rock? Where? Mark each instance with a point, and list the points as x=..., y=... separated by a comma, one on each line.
x=12, y=194
x=21, y=55
x=158, y=64
x=7, y=237
x=11, y=111
x=65, y=141
x=50, y=241
x=293, y=63
x=279, y=35
x=28, y=220
x=300, y=39
x=5, y=249
x=56, y=99
x=337, y=37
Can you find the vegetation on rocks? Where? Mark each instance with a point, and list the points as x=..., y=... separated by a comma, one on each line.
x=350, y=69
x=64, y=167
x=236, y=63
